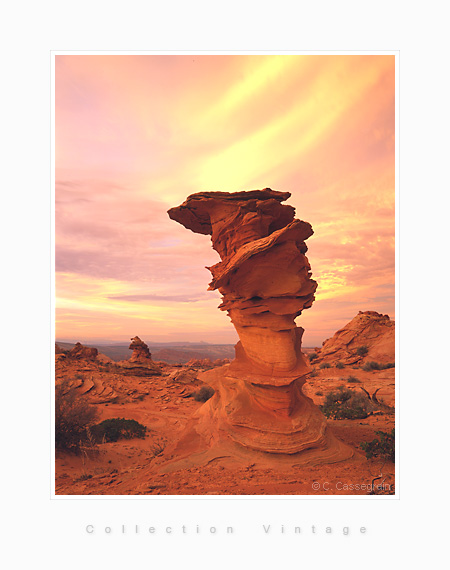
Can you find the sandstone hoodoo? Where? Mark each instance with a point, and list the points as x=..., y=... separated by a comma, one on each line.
x=141, y=352
x=81, y=352
x=140, y=362
x=265, y=281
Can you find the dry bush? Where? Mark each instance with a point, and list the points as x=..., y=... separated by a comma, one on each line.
x=114, y=429
x=157, y=447
x=346, y=404
x=369, y=366
x=362, y=350
x=353, y=380
x=73, y=416
x=203, y=394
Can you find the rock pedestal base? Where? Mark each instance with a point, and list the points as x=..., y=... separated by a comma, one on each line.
x=261, y=423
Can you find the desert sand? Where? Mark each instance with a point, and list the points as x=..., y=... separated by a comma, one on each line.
x=161, y=403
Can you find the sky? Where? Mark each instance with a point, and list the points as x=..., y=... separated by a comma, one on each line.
x=136, y=134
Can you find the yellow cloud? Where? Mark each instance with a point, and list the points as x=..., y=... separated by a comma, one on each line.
x=299, y=129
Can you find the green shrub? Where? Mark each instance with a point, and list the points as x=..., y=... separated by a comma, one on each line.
x=340, y=365
x=117, y=428
x=313, y=356
x=325, y=365
x=346, y=404
x=313, y=373
x=203, y=394
x=382, y=447
x=73, y=416
x=362, y=350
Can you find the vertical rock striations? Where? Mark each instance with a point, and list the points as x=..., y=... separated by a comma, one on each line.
x=265, y=281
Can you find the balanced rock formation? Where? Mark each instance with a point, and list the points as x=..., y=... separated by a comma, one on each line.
x=140, y=363
x=141, y=352
x=369, y=336
x=265, y=281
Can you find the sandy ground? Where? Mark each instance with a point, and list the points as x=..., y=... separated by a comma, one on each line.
x=159, y=402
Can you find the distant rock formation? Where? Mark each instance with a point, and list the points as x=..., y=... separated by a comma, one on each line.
x=370, y=336
x=80, y=352
x=199, y=362
x=140, y=362
x=265, y=281
x=141, y=352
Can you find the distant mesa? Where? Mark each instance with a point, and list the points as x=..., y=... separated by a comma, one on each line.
x=200, y=362
x=206, y=362
x=370, y=336
x=265, y=281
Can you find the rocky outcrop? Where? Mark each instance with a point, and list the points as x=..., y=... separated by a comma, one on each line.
x=141, y=352
x=265, y=281
x=370, y=336
x=80, y=352
x=140, y=362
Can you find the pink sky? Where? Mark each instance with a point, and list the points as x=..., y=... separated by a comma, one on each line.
x=136, y=134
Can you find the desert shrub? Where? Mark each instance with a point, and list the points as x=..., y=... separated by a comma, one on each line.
x=313, y=373
x=382, y=447
x=362, y=350
x=319, y=393
x=313, y=356
x=73, y=416
x=340, y=365
x=369, y=366
x=325, y=365
x=117, y=428
x=157, y=447
x=346, y=404
x=353, y=380
x=203, y=394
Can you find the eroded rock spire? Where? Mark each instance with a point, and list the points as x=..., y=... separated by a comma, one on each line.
x=265, y=281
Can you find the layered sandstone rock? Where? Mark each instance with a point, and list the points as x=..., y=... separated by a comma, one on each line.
x=81, y=352
x=265, y=281
x=140, y=362
x=370, y=336
x=141, y=352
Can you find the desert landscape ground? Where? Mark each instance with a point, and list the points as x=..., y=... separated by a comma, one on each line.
x=162, y=400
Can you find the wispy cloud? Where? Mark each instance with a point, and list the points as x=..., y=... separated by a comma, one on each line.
x=136, y=134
